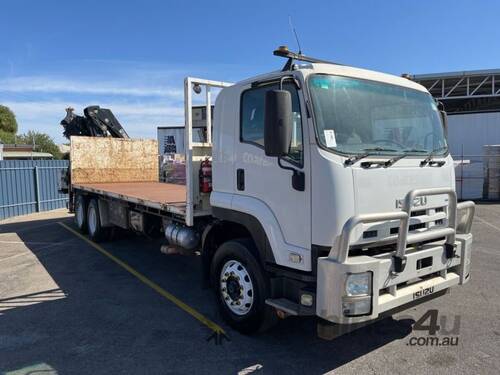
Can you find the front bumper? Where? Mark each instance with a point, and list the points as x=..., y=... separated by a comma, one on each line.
x=388, y=290
x=397, y=278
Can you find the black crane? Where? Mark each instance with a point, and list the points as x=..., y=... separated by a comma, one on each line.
x=96, y=122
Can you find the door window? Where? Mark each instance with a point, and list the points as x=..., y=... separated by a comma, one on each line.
x=252, y=119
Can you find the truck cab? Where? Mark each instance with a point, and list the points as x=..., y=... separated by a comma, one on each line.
x=341, y=181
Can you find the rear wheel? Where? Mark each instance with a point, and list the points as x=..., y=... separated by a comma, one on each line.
x=241, y=287
x=95, y=230
x=81, y=213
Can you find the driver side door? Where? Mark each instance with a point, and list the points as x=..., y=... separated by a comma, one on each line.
x=264, y=179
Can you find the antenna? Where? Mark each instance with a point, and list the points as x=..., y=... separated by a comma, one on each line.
x=294, y=33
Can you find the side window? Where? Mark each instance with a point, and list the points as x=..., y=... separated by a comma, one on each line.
x=252, y=118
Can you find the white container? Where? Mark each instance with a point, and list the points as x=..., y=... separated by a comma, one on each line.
x=491, y=187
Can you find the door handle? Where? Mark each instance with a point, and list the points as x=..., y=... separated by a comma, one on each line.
x=240, y=179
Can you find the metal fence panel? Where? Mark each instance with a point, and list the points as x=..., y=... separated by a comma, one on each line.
x=28, y=186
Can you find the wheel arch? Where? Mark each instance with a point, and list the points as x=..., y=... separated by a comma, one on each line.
x=231, y=225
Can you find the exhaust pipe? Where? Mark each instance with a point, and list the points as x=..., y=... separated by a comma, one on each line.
x=182, y=236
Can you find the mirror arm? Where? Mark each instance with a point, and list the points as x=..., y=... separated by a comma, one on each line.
x=295, y=81
x=298, y=177
x=280, y=159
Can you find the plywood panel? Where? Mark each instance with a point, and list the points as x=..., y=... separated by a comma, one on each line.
x=98, y=160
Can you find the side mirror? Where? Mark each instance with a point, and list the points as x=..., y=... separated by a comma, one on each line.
x=444, y=119
x=277, y=122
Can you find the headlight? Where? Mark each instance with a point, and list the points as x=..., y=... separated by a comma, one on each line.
x=359, y=284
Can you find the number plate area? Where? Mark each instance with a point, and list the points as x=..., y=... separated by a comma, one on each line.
x=423, y=292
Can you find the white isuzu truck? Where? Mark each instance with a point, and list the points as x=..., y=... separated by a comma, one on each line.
x=333, y=195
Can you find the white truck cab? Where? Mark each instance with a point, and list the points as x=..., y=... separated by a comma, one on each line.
x=358, y=209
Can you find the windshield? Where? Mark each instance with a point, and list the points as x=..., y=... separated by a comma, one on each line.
x=357, y=116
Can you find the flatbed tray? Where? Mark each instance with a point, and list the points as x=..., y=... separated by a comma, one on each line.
x=157, y=195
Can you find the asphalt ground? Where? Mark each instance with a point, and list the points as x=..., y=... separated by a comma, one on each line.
x=70, y=307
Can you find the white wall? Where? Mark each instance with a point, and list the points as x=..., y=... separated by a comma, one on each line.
x=473, y=131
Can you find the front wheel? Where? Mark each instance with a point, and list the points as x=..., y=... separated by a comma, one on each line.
x=241, y=287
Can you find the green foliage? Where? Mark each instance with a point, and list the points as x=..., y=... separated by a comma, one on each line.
x=7, y=137
x=42, y=142
x=8, y=130
x=8, y=121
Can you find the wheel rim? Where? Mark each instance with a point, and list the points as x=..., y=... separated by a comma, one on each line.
x=92, y=220
x=79, y=214
x=236, y=287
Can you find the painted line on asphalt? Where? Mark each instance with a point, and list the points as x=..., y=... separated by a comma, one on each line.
x=176, y=301
x=487, y=223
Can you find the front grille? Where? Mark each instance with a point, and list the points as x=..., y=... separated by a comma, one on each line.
x=416, y=226
x=395, y=230
x=370, y=234
x=420, y=219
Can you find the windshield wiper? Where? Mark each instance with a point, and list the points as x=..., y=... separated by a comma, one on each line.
x=353, y=159
x=430, y=157
x=368, y=152
x=379, y=149
x=390, y=162
x=415, y=150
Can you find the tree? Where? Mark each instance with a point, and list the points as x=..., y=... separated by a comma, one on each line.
x=8, y=121
x=42, y=142
x=6, y=137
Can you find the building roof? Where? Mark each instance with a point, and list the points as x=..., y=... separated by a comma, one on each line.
x=26, y=155
x=465, y=91
x=17, y=147
x=470, y=73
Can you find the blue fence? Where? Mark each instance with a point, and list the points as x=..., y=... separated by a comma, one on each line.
x=28, y=186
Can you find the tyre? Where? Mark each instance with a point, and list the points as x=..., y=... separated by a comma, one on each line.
x=241, y=287
x=95, y=230
x=81, y=213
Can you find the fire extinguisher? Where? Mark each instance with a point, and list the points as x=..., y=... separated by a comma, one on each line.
x=205, y=176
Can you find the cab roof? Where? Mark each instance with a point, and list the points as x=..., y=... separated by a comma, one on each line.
x=341, y=70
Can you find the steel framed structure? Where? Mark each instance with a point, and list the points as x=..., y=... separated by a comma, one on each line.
x=461, y=85
x=464, y=92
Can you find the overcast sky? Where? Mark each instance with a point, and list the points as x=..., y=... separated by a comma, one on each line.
x=132, y=56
